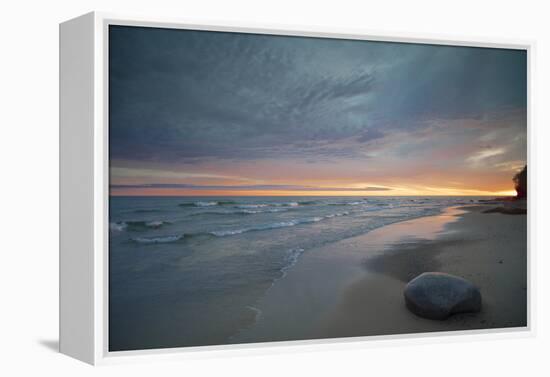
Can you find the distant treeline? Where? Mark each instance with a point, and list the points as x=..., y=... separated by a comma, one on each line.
x=520, y=183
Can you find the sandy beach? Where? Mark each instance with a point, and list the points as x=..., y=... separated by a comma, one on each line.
x=354, y=287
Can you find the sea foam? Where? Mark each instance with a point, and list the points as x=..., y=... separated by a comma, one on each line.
x=160, y=239
x=136, y=225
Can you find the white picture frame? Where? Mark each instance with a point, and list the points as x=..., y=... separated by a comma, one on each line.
x=84, y=190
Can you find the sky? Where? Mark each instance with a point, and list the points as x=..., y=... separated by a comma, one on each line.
x=210, y=113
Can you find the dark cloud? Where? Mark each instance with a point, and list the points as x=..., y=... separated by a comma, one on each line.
x=184, y=96
x=370, y=135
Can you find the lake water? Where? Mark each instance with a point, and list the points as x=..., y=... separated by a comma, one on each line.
x=188, y=271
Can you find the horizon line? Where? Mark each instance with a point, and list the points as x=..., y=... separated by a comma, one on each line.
x=291, y=195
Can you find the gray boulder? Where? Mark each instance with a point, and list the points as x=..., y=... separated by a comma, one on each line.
x=436, y=295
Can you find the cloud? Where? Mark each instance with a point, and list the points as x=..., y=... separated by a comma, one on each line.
x=207, y=107
x=370, y=135
x=245, y=187
x=122, y=172
x=179, y=95
x=485, y=154
x=510, y=166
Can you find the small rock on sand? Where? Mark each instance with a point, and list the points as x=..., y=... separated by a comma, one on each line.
x=437, y=295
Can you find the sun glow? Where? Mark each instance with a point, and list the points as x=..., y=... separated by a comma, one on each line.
x=431, y=191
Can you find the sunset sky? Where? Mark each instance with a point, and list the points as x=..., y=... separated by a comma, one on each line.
x=207, y=113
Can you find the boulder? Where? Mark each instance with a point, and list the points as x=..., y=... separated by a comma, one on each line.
x=437, y=295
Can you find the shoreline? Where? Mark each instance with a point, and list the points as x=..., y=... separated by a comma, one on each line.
x=354, y=287
x=487, y=249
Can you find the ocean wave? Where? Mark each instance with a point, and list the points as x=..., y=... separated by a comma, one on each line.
x=269, y=210
x=355, y=203
x=154, y=224
x=223, y=233
x=257, y=313
x=229, y=232
x=291, y=259
x=207, y=203
x=160, y=239
x=118, y=226
x=146, y=210
x=277, y=225
x=240, y=212
x=372, y=209
x=242, y=205
x=337, y=214
x=280, y=224
x=291, y=204
x=245, y=206
x=308, y=202
x=136, y=225
x=221, y=213
x=264, y=205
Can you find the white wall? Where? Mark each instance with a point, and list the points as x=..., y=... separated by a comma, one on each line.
x=29, y=210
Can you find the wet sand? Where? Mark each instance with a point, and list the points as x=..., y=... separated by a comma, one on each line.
x=488, y=249
x=355, y=287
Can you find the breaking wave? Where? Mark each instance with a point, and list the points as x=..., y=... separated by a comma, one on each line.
x=136, y=225
x=160, y=239
x=207, y=204
x=291, y=259
x=280, y=224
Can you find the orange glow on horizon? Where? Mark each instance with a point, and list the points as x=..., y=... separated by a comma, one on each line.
x=394, y=192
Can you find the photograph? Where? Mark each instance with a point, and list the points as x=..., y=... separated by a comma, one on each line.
x=274, y=188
